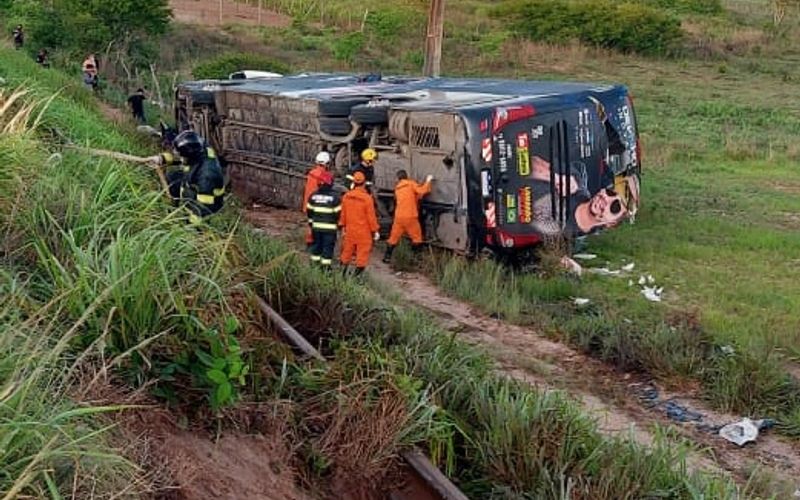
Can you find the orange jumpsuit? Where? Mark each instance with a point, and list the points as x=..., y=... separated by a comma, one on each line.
x=360, y=223
x=407, y=194
x=313, y=182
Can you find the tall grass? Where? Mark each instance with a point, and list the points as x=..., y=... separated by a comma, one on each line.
x=49, y=444
x=498, y=438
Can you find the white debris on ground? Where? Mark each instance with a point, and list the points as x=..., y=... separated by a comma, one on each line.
x=571, y=266
x=646, y=283
x=580, y=301
x=652, y=293
x=604, y=271
x=741, y=432
x=584, y=256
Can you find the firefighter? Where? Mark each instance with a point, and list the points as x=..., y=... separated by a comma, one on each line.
x=313, y=182
x=360, y=224
x=198, y=182
x=323, y=209
x=366, y=166
x=407, y=195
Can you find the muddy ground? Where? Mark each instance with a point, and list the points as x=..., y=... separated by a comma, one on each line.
x=618, y=400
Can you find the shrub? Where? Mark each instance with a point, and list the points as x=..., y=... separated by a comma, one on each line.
x=347, y=47
x=627, y=27
x=221, y=66
x=687, y=6
x=386, y=24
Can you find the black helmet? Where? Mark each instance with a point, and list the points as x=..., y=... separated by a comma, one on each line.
x=189, y=144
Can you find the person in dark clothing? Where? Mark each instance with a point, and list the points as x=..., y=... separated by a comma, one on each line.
x=19, y=37
x=366, y=166
x=323, y=209
x=41, y=58
x=136, y=104
x=198, y=183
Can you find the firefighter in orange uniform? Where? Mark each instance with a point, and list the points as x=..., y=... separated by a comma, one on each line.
x=313, y=182
x=360, y=224
x=407, y=195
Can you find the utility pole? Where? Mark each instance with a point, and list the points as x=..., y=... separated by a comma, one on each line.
x=433, y=40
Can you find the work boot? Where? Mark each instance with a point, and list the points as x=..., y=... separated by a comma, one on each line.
x=359, y=271
x=345, y=270
x=387, y=257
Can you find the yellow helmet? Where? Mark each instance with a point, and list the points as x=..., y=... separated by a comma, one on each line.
x=369, y=154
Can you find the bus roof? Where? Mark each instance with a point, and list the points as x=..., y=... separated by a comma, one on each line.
x=427, y=93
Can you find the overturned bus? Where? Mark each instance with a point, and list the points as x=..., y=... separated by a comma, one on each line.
x=516, y=163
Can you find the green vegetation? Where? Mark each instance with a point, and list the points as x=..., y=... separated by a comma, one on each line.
x=91, y=26
x=90, y=247
x=604, y=23
x=220, y=67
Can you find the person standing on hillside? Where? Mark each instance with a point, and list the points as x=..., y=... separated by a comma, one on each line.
x=313, y=182
x=367, y=167
x=360, y=225
x=91, y=70
x=136, y=104
x=19, y=37
x=323, y=209
x=407, y=194
x=41, y=58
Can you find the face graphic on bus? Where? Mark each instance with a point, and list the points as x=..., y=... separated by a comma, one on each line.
x=607, y=207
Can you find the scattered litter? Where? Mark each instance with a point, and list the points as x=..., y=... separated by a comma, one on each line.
x=628, y=321
x=571, y=266
x=630, y=282
x=642, y=280
x=579, y=301
x=742, y=432
x=628, y=267
x=650, y=279
x=652, y=293
x=604, y=271
x=584, y=256
x=674, y=410
x=797, y=493
x=727, y=350
x=256, y=205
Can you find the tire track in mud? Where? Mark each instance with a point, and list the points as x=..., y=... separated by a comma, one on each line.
x=605, y=393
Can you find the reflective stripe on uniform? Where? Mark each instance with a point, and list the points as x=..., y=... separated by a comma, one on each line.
x=324, y=225
x=326, y=262
x=316, y=258
x=205, y=199
x=211, y=153
x=349, y=177
x=325, y=210
x=169, y=158
x=219, y=191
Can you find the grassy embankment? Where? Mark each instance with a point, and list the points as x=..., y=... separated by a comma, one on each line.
x=98, y=271
x=718, y=227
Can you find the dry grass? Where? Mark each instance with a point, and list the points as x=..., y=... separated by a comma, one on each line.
x=362, y=430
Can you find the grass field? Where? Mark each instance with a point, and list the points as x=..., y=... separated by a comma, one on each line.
x=718, y=228
x=95, y=267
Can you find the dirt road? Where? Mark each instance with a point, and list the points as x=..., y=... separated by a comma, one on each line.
x=221, y=12
x=613, y=398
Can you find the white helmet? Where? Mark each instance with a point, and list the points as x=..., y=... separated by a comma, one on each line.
x=323, y=158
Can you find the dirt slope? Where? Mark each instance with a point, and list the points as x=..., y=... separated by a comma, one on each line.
x=610, y=396
x=207, y=13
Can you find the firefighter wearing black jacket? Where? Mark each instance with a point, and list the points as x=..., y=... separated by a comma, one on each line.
x=366, y=166
x=198, y=182
x=323, y=209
